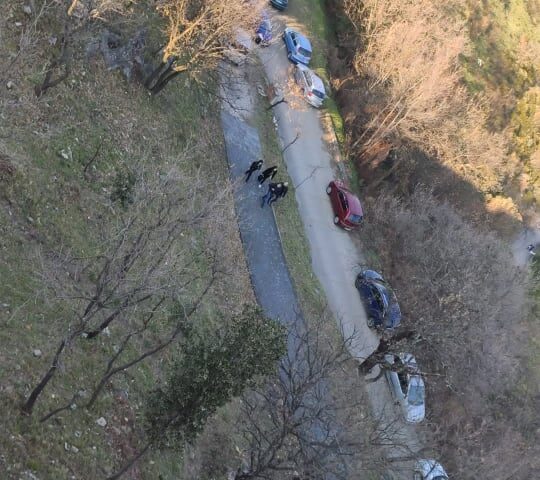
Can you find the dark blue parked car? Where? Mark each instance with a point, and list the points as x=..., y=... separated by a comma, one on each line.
x=379, y=300
x=279, y=4
x=298, y=47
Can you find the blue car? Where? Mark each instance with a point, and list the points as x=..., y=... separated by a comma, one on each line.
x=298, y=47
x=379, y=300
x=279, y=4
x=263, y=34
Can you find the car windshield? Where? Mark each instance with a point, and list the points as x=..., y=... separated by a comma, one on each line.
x=354, y=218
x=304, y=52
x=416, y=395
x=378, y=298
x=318, y=94
x=343, y=200
x=381, y=296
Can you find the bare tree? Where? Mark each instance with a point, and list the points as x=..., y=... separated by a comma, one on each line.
x=464, y=298
x=408, y=59
x=200, y=33
x=212, y=368
x=149, y=265
x=298, y=425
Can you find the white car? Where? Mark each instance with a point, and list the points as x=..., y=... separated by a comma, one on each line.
x=407, y=386
x=312, y=86
x=429, y=470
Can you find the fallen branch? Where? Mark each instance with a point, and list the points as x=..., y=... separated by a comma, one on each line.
x=291, y=142
x=277, y=103
x=94, y=157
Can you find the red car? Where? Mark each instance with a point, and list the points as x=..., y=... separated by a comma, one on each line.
x=347, y=208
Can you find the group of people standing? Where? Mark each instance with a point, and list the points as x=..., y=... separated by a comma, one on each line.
x=276, y=190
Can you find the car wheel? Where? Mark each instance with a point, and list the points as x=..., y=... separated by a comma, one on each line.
x=336, y=220
x=289, y=56
x=370, y=322
x=329, y=190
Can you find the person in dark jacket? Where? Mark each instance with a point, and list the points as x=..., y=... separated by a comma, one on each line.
x=280, y=192
x=267, y=197
x=269, y=173
x=257, y=165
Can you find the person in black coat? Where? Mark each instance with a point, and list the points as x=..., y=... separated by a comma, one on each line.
x=269, y=173
x=267, y=197
x=257, y=165
x=280, y=191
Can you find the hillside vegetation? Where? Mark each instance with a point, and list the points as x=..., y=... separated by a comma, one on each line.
x=116, y=227
x=457, y=82
x=439, y=103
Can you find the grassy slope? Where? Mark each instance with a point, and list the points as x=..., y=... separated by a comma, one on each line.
x=500, y=32
x=504, y=64
x=50, y=204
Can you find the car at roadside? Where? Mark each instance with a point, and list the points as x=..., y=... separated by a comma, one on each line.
x=263, y=34
x=279, y=4
x=348, y=212
x=380, y=301
x=312, y=86
x=429, y=470
x=407, y=385
x=298, y=46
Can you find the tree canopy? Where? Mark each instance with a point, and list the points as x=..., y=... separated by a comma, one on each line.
x=212, y=368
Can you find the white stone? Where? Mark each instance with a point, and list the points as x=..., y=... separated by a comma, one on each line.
x=37, y=352
x=10, y=85
x=27, y=9
x=101, y=422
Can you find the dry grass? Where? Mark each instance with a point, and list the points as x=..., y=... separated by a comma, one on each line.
x=48, y=202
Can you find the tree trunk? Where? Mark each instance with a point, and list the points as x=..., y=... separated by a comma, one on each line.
x=30, y=402
x=47, y=83
x=62, y=59
x=161, y=70
x=56, y=411
x=377, y=357
x=163, y=81
x=130, y=463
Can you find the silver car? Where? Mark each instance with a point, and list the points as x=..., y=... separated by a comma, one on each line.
x=407, y=386
x=312, y=86
x=429, y=470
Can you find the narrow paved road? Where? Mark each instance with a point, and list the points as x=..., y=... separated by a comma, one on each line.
x=335, y=258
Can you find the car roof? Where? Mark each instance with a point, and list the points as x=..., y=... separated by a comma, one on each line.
x=416, y=381
x=354, y=203
x=392, y=311
x=431, y=469
x=385, y=294
x=302, y=41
